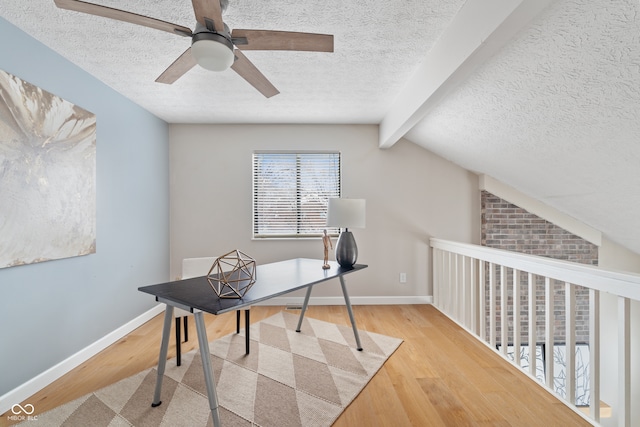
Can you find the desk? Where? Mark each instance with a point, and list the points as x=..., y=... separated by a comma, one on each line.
x=272, y=280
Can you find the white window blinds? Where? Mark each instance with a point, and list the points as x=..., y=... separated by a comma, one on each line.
x=290, y=192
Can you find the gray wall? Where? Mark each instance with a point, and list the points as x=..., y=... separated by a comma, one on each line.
x=53, y=309
x=411, y=195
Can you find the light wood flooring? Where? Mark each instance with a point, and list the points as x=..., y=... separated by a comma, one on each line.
x=440, y=375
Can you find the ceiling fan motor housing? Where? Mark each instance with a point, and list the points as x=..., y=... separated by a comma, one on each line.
x=212, y=50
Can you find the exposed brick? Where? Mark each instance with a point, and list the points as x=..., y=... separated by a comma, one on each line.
x=506, y=226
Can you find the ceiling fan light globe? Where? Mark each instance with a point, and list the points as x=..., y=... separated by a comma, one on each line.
x=212, y=55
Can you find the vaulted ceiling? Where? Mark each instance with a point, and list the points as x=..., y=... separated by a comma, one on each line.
x=543, y=95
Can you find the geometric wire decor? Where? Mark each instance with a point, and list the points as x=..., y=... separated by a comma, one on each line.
x=232, y=274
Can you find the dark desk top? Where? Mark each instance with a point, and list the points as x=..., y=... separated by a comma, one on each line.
x=272, y=280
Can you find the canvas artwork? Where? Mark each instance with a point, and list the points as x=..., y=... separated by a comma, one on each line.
x=47, y=175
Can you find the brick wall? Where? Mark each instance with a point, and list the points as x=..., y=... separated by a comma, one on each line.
x=506, y=226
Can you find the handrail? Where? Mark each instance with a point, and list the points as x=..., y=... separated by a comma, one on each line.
x=461, y=290
x=618, y=283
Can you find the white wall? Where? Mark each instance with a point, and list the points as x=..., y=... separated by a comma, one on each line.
x=411, y=195
x=614, y=257
x=51, y=310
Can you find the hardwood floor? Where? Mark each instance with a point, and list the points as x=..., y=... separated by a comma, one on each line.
x=440, y=376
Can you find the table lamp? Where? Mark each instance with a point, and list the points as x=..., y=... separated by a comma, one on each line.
x=345, y=213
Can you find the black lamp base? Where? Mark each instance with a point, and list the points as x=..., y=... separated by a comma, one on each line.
x=346, y=249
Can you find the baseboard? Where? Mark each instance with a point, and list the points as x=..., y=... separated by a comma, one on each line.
x=399, y=300
x=24, y=391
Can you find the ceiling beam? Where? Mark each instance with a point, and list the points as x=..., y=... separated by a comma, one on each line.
x=479, y=30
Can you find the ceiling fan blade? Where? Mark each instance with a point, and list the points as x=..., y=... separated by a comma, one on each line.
x=251, y=74
x=180, y=66
x=121, y=15
x=282, y=40
x=209, y=14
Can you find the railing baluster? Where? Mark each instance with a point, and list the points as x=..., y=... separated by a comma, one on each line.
x=450, y=280
x=452, y=285
x=570, y=341
x=474, y=296
x=482, y=315
x=437, y=276
x=504, y=328
x=624, y=363
x=533, y=328
x=465, y=294
x=516, y=317
x=492, y=305
x=445, y=281
x=439, y=296
x=549, y=331
x=594, y=354
x=455, y=288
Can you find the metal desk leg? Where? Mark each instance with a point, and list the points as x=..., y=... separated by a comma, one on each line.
x=207, y=368
x=247, y=324
x=162, y=359
x=353, y=321
x=304, y=307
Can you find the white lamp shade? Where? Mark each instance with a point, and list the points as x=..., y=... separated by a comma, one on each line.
x=212, y=55
x=346, y=213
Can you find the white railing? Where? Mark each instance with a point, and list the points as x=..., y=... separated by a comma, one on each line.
x=468, y=280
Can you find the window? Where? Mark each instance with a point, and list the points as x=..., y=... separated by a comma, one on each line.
x=290, y=192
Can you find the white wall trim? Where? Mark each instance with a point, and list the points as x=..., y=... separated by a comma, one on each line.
x=24, y=391
x=544, y=211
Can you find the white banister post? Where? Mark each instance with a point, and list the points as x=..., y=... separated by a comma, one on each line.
x=474, y=295
x=624, y=362
x=465, y=294
x=594, y=354
x=444, y=289
x=504, y=328
x=443, y=284
x=435, y=274
x=492, y=305
x=449, y=283
x=516, y=317
x=533, y=327
x=452, y=284
x=456, y=288
x=482, y=301
x=441, y=291
x=549, y=331
x=570, y=341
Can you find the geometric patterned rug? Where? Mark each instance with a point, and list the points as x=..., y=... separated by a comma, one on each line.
x=288, y=379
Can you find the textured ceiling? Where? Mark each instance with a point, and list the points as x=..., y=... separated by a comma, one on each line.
x=556, y=115
x=553, y=110
x=377, y=46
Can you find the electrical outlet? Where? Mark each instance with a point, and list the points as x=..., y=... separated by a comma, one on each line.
x=403, y=277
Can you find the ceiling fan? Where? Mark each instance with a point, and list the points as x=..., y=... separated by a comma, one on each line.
x=212, y=45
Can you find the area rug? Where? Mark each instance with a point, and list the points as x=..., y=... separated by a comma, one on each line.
x=288, y=379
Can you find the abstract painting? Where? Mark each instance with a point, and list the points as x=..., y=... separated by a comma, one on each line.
x=47, y=175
